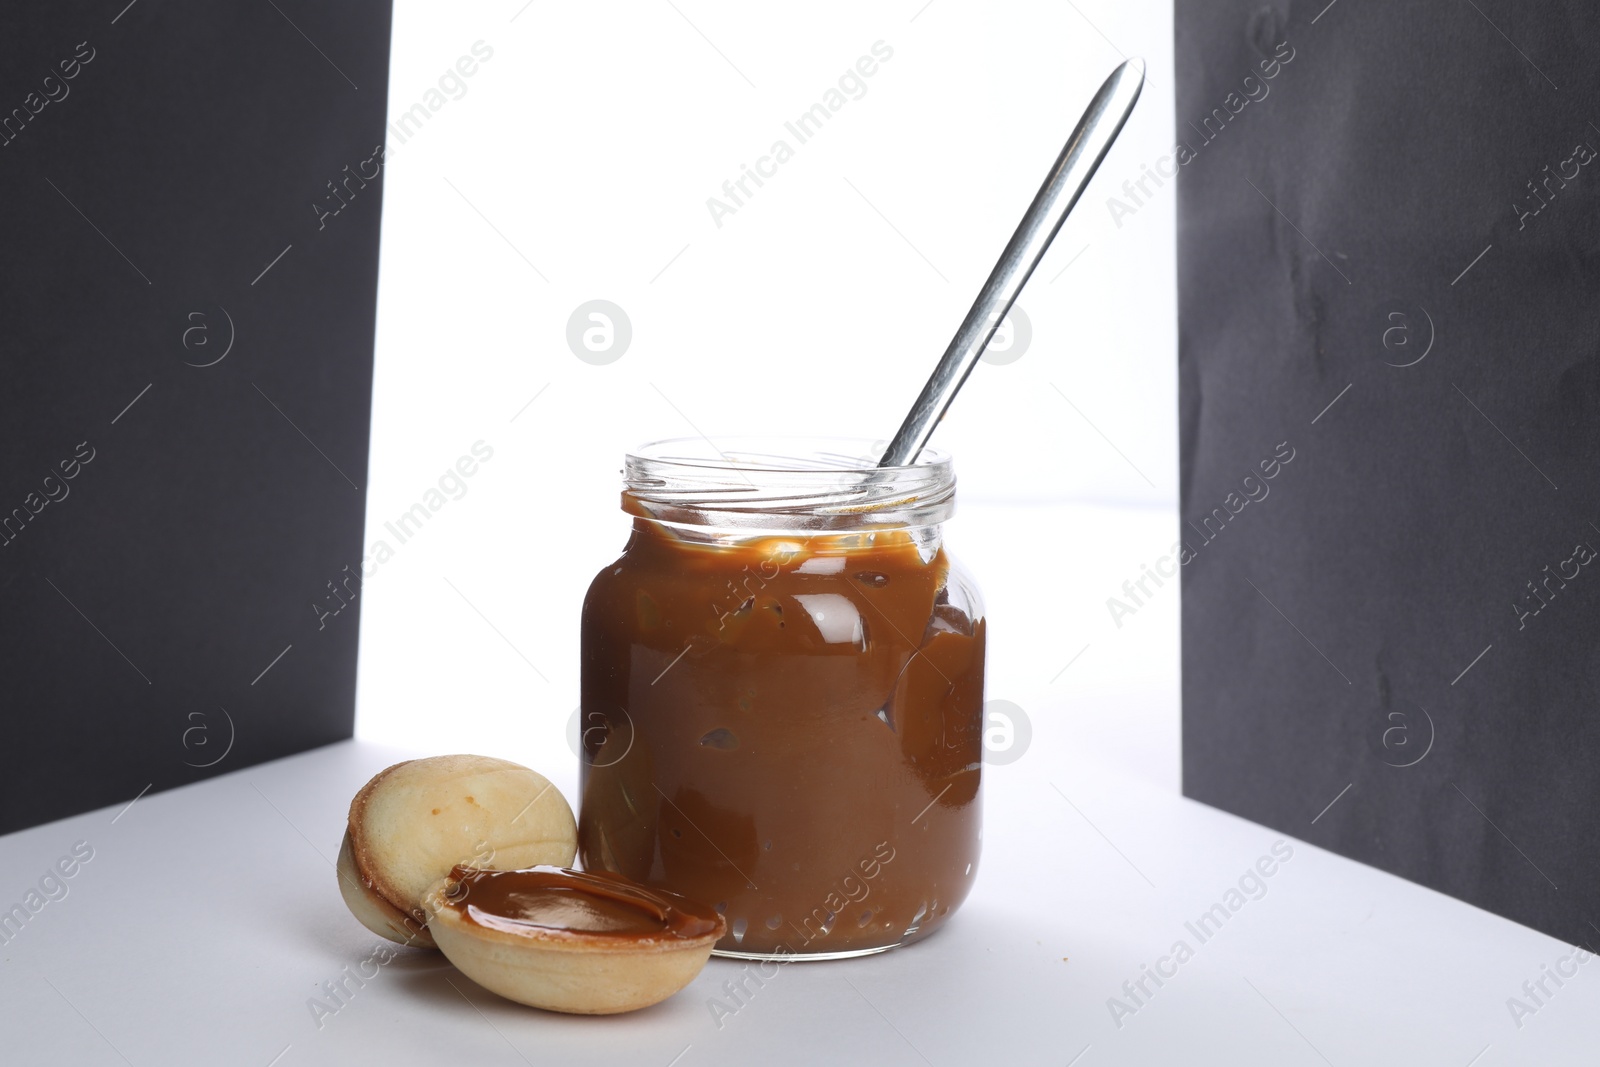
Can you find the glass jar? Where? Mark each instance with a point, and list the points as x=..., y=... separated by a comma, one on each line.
x=782, y=695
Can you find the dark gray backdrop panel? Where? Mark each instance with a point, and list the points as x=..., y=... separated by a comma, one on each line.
x=139, y=207
x=1365, y=662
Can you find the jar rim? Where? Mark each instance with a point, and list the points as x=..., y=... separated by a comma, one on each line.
x=785, y=483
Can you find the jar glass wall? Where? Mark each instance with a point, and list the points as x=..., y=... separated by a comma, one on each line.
x=782, y=695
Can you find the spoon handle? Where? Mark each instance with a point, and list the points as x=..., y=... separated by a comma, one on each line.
x=1096, y=130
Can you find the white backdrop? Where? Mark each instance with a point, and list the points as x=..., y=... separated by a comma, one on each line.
x=575, y=163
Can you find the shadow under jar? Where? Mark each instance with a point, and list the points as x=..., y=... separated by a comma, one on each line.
x=782, y=695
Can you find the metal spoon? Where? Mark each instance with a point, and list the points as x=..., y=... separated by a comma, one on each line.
x=1073, y=168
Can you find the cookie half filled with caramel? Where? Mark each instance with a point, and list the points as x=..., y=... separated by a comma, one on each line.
x=590, y=943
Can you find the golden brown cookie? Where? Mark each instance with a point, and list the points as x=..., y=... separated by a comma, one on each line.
x=589, y=943
x=416, y=821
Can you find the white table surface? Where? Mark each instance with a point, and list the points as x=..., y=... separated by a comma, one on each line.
x=209, y=914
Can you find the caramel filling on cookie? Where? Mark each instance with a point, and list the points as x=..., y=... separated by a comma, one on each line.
x=548, y=901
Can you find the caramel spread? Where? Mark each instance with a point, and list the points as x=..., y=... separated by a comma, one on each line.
x=788, y=729
x=554, y=901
